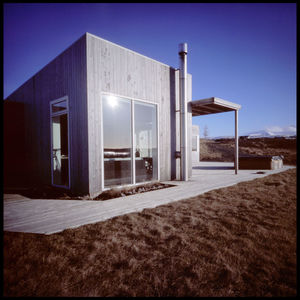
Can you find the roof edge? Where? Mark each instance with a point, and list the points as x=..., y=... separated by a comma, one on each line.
x=217, y=100
x=127, y=49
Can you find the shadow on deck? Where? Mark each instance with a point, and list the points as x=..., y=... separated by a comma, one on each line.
x=212, y=168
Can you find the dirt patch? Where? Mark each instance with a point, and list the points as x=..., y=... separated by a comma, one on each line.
x=122, y=192
x=235, y=241
x=223, y=149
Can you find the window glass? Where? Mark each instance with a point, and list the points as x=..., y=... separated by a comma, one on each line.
x=145, y=129
x=116, y=114
x=60, y=151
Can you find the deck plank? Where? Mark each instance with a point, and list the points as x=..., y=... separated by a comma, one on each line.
x=50, y=216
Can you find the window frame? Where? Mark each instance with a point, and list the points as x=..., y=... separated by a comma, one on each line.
x=55, y=114
x=133, y=142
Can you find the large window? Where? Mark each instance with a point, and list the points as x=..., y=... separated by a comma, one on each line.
x=59, y=142
x=145, y=141
x=117, y=140
x=129, y=141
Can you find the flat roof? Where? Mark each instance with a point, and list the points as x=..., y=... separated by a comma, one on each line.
x=212, y=105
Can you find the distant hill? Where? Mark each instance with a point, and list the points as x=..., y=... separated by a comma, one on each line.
x=223, y=149
x=274, y=131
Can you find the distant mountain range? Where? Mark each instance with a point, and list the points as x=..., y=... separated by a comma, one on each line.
x=274, y=131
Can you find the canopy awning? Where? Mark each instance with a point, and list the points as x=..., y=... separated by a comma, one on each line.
x=212, y=105
x=216, y=105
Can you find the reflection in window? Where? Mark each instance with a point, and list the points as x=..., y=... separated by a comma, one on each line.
x=117, y=140
x=146, y=141
x=121, y=157
x=60, y=151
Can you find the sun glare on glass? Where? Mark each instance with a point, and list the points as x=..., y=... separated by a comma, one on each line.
x=113, y=102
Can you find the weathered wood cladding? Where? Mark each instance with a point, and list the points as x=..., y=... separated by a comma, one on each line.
x=14, y=152
x=177, y=120
x=65, y=75
x=190, y=125
x=117, y=70
x=25, y=95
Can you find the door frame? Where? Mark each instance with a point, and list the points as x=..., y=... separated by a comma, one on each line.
x=132, y=101
x=54, y=114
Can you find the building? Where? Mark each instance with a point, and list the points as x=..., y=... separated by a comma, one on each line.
x=195, y=145
x=100, y=116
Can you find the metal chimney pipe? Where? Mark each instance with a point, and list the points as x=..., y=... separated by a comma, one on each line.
x=183, y=111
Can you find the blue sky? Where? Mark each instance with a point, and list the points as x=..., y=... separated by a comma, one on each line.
x=241, y=52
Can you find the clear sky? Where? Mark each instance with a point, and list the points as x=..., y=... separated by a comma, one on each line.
x=240, y=52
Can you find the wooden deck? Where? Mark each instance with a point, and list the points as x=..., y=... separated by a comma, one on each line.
x=50, y=216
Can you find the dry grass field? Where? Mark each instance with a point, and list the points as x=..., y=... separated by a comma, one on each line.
x=223, y=149
x=235, y=241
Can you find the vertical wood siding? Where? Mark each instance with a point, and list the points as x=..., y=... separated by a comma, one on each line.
x=82, y=72
x=65, y=75
x=114, y=69
x=189, y=120
x=177, y=117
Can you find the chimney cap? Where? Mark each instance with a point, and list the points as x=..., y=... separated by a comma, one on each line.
x=182, y=48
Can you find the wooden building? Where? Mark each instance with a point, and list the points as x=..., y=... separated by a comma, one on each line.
x=100, y=116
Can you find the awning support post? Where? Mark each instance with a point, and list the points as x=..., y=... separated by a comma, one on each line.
x=236, y=143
